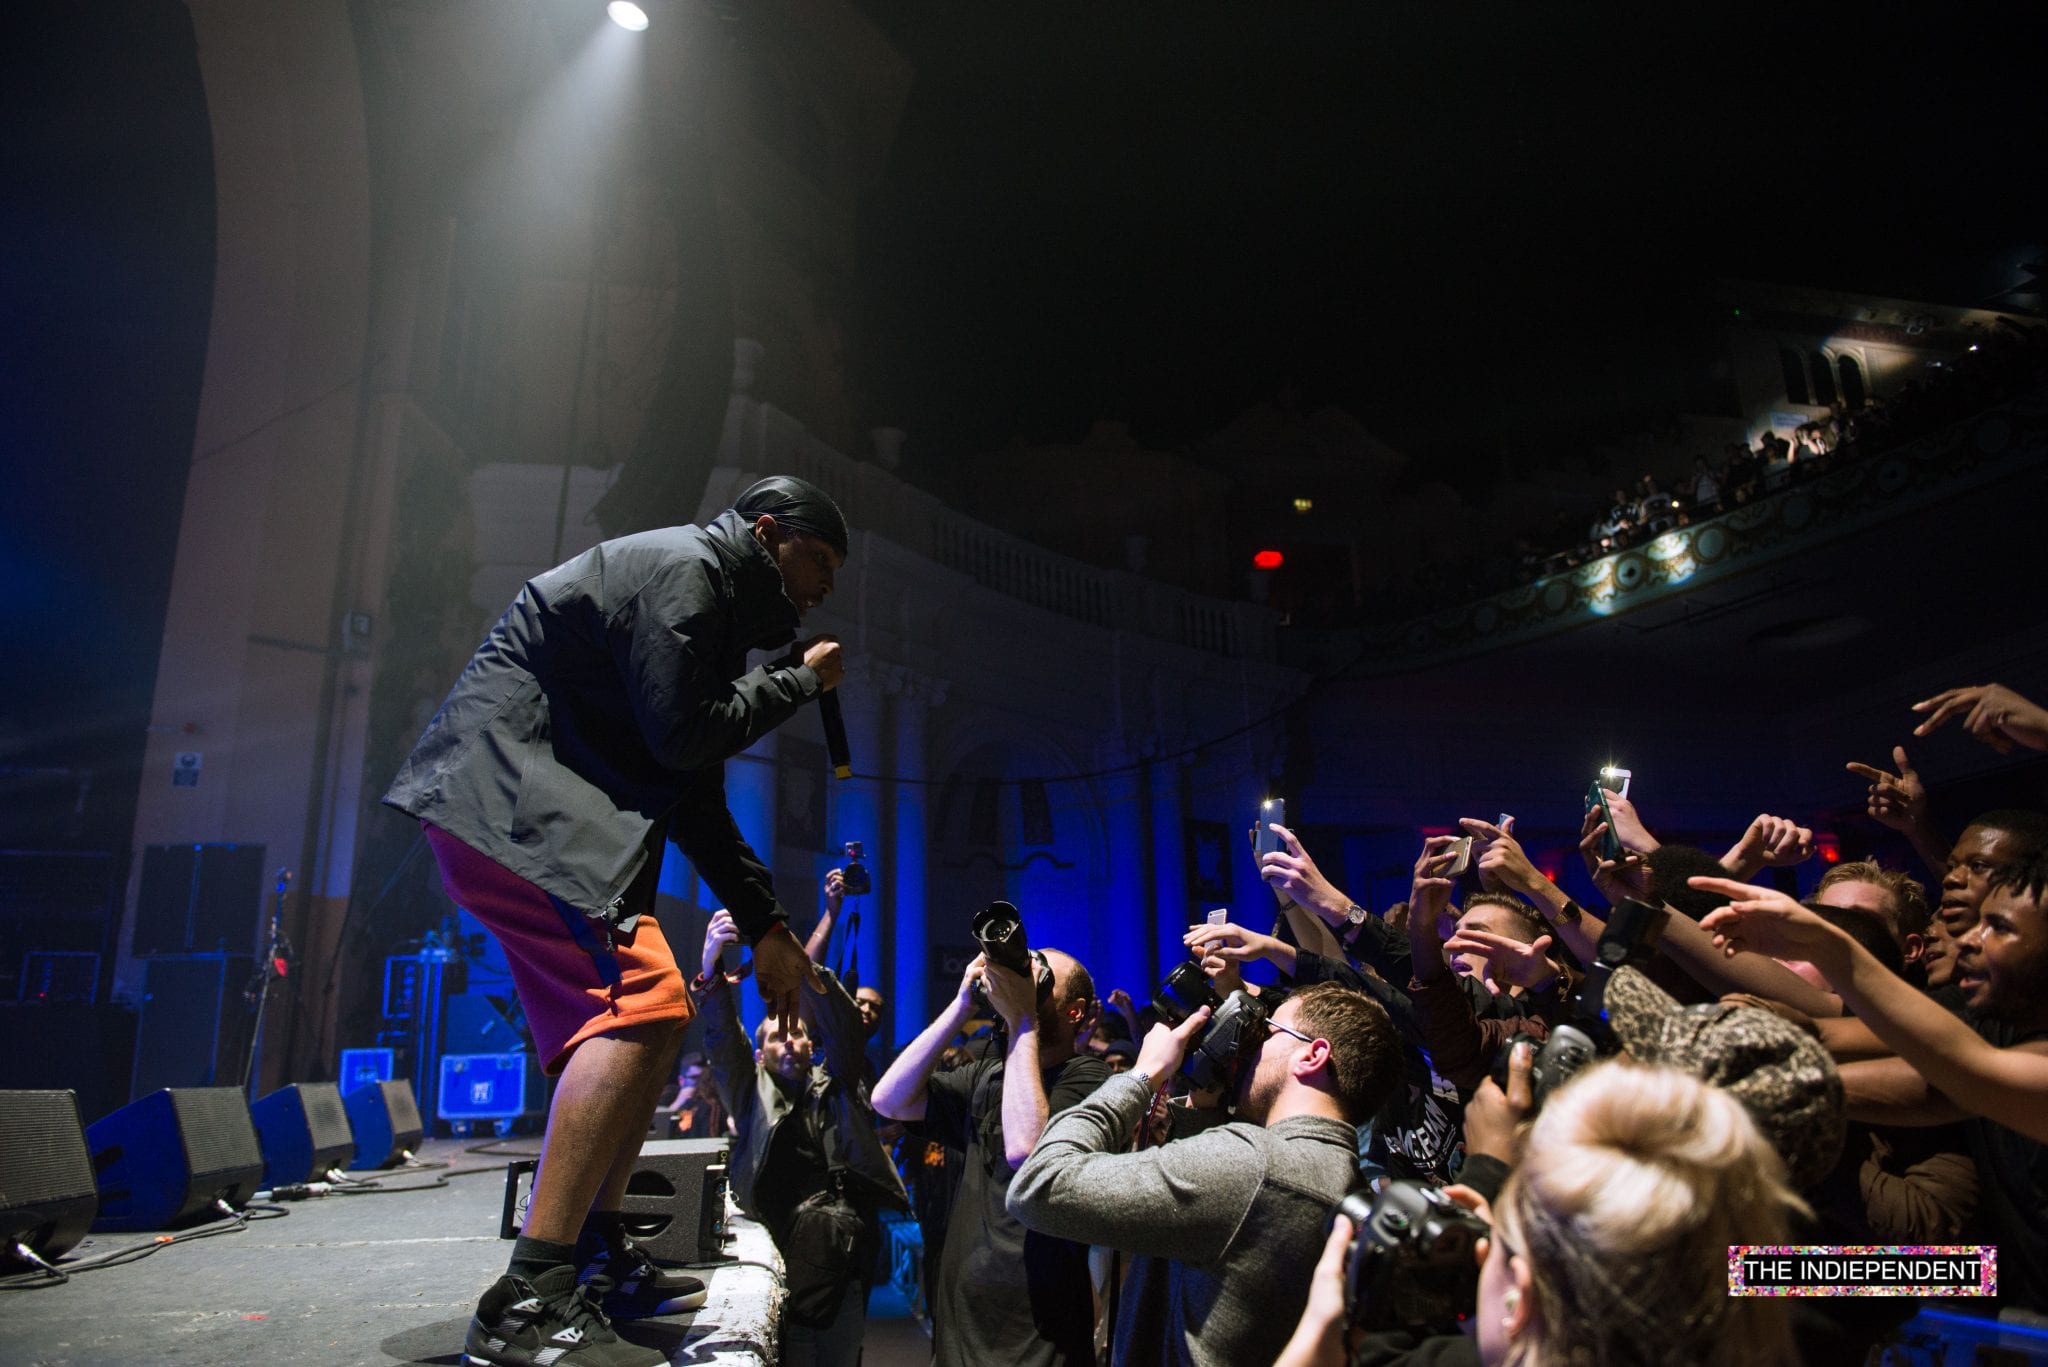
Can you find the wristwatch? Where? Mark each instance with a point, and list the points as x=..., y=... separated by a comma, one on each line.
x=1145, y=1078
x=1355, y=915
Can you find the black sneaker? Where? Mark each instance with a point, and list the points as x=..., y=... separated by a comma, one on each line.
x=548, y=1322
x=637, y=1287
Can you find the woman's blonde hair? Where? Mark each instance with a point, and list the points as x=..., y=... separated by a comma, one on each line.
x=1633, y=1184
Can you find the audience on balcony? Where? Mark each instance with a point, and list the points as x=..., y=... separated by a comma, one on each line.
x=2009, y=359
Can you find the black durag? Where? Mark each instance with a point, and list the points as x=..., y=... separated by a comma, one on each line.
x=796, y=505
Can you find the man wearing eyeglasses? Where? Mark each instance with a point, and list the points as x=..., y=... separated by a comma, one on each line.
x=1222, y=1225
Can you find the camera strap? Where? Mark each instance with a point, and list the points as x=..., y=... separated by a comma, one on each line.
x=849, y=946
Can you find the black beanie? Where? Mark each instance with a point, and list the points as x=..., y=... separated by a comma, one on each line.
x=797, y=505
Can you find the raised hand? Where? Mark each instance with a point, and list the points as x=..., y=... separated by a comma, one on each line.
x=835, y=889
x=1617, y=879
x=781, y=968
x=1896, y=800
x=1294, y=875
x=1165, y=1047
x=975, y=968
x=720, y=933
x=1628, y=827
x=1430, y=893
x=1768, y=922
x=1231, y=943
x=1014, y=995
x=1493, y=1116
x=1512, y=962
x=1992, y=713
x=1502, y=861
x=1224, y=975
x=1770, y=842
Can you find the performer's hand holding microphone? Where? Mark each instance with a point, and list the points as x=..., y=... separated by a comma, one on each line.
x=824, y=656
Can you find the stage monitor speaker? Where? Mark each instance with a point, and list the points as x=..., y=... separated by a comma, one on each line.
x=168, y=1157
x=195, y=1022
x=675, y=1200
x=199, y=899
x=47, y=1194
x=304, y=1131
x=386, y=1121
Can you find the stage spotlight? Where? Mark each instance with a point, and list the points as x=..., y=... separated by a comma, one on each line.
x=627, y=15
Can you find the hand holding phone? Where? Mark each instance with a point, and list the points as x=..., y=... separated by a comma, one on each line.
x=1596, y=796
x=1265, y=841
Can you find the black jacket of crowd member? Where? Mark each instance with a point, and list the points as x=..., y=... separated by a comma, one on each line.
x=593, y=723
x=761, y=1107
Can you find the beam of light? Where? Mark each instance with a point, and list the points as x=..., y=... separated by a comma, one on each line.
x=627, y=15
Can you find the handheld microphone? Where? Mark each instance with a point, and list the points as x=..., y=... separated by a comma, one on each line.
x=835, y=733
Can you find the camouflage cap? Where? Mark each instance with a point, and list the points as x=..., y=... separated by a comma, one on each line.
x=1780, y=1073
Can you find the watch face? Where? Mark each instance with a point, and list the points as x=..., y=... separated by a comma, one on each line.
x=1356, y=914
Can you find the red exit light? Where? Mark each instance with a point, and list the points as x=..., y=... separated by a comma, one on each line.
x=1268, y=560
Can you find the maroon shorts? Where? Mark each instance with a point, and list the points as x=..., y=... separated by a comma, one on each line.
x=574, y=981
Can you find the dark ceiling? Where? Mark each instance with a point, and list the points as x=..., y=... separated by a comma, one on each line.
x=1475, y=227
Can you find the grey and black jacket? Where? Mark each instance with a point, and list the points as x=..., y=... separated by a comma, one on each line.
x=594, y=721
x=758, y=1105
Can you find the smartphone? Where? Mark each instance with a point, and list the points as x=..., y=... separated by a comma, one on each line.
x=1616, y=780
x=1462, y=857
x=730, y=959
x=1596, y=796
x=1218, y=916
x=1272, y=812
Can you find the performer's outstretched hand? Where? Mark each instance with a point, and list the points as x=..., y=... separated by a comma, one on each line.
x=780, y=967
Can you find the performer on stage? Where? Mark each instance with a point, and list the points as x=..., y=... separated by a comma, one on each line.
x=590, y=728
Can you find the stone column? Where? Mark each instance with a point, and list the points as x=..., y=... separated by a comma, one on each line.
x=856, y=810
x=1122, y=953
x=908, y=802
x=1169, y=863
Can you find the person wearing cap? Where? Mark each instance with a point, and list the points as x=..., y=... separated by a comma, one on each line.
x=589, y=730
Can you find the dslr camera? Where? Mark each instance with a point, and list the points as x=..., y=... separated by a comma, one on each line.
x=1413, y=1264
x=999, y=929
x=854, y=874
x=1236, y=1029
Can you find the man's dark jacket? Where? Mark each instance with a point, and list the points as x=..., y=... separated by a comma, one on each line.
x=593, y=722
x=758, y=1104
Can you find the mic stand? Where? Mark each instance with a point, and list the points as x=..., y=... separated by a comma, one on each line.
x=277, y=956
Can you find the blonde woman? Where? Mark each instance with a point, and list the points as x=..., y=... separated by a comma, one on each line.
x=1610, y=1240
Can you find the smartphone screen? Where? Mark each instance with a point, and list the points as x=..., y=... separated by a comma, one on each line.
x=1272, y=812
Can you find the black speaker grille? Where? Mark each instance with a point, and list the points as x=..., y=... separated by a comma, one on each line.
x=326, y=1119
x=405, y=1111
x=220, y=1139
x=43, y=1156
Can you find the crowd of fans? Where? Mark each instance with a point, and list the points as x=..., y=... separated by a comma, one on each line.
x=1546, y=1124
x=2010, y=360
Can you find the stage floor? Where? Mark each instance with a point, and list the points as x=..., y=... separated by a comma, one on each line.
x=375, y=1280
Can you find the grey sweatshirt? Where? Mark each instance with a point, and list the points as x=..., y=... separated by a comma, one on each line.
x=1227, y=1225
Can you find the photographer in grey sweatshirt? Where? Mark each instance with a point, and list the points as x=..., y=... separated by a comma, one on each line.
x=1226, y=1225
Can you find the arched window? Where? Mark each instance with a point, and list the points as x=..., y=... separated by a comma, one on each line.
x=1795, y=375
x=1823, y=379
x=1853, y=390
